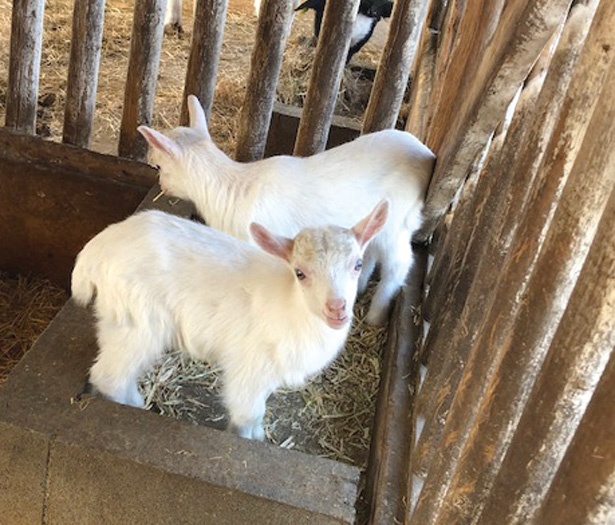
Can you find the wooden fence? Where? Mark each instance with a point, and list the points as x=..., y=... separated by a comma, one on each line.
x=514, y=420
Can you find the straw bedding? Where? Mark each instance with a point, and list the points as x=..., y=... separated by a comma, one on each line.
x=332, y=415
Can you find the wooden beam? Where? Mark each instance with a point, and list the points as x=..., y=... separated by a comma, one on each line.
x=273, y=28
x=55, y=197
x=24, y=65
x=145, y=48
x=484, y=75
x=387, y=476
x=329, y=61
x=584, y=488
x=202, y=72
x=397, y=58
x=86, y=44
x=499, y=328
x=580, y=350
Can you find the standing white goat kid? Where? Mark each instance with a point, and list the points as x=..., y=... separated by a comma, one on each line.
x=285, y=194
x=161, y=281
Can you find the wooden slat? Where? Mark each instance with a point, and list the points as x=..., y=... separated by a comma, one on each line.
x=202, y=72
x=448, y=40
x=387, y=489
x=495, y=330
x=582, y=345
x=273, y=28
x=423, y=70
x=24, y=64
x=493, y=232
x=145, y=48
x=584, y=488
x=464, y=123
x=397, y=58
x=524, y=347
x=329, y=61
x=470, y=276
x=86, y=44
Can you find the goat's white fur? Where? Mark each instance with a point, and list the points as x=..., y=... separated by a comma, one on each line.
x=160, y=281
x=173, y=14
x=286, y=193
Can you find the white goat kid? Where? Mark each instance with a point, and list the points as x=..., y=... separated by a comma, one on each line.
x=173, y=13
x=285, y=193
x=161, y=281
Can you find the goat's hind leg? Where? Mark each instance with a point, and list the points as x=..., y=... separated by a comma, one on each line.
x=393, y=271
x=125, y=353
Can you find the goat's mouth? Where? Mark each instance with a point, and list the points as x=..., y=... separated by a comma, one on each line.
x=337, y=322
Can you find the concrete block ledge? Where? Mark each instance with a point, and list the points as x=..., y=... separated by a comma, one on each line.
x=93, y=461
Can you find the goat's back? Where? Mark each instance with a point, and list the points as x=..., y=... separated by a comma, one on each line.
x=343, y=184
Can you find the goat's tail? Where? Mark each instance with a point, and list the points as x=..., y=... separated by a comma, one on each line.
x=82, y=285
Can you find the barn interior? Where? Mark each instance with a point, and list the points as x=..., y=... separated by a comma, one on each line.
x=486, y=399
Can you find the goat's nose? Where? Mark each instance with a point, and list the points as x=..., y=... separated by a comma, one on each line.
x=335, y=305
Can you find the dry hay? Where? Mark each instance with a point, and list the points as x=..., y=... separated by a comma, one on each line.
x=330, y=417
x=233, y=71
x=27, y=306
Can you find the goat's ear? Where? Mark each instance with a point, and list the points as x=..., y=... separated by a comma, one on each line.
x=197, y=116
x=273, y=244
x=160, y=142
x=366, y=228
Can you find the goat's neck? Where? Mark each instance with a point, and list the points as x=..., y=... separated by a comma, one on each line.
x=223, y=190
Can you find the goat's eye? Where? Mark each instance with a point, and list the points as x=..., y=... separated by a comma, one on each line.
x=358, y=265
x=300, y=275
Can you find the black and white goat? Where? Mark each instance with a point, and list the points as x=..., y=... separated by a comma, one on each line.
x=370, y=13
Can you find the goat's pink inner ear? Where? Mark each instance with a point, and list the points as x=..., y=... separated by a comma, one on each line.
x=274, y=244
x=159, y=142
x=366, y=228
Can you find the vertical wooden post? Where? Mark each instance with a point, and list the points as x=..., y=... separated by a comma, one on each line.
x=145, y=48
x=387, y=480
x=423, y=69
x=202, y=72
x=584, y=488
x=329, y=61
x=580, y=350
x=464, y=123
x=497, y=331
x=395, y=63
x=271, y=34
x=86, y=43
x=24, y=64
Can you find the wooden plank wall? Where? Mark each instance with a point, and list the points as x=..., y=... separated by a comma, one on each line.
x=521, y=292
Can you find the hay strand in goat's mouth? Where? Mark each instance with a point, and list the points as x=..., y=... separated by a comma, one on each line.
x=330, y=417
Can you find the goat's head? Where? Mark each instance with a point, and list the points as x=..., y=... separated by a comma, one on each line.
x=326, y=262
x=176, y=151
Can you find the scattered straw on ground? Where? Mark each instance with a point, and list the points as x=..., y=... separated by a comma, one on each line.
x=330, y=417
x=27, y=305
